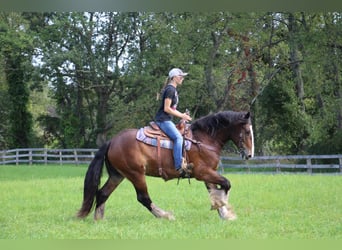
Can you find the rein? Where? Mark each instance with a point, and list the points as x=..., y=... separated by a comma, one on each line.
x=200, y=144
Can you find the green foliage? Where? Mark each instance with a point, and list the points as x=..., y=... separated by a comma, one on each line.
x=16, y=51
x=328, y=144
x=102, y=72
x=21, y=119
x=286, y=124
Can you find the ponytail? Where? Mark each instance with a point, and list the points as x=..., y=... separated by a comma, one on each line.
x=167, y=81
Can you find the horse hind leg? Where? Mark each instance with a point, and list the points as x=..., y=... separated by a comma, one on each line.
x=144, y=198
x=160, y=213
x=103, y=194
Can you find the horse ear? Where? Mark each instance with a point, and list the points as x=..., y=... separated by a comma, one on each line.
x=244, y=117
x=247, y=115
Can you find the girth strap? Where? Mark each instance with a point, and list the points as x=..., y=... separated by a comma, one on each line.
x=159, y=157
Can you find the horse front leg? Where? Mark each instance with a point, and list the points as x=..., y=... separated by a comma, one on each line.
x=219, y=200
x=218, y=196
x=227, y=213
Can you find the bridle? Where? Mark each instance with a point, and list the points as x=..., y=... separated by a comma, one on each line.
x=241, y=148
x=241, y=145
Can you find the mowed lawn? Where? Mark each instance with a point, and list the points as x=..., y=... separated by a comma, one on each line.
x=40, y=202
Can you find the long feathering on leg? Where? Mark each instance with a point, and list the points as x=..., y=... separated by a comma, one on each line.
x=218, y=198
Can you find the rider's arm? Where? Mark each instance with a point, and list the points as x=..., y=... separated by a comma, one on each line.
x=174, y=112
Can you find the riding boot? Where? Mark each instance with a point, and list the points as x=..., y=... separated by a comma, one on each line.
x=186, y=165
x=185, y=170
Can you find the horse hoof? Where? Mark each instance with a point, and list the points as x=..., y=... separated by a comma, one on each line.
x=170, y=216
x=99, y=212
x=166, y=215
x=160, y=213
x=227, y=213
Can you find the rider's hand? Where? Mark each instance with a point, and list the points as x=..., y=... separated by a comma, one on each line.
x=186, y=117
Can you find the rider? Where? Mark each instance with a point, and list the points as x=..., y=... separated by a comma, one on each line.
x=165, y=113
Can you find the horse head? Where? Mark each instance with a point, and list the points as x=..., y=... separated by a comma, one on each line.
x=244, y=138
x=228, y=125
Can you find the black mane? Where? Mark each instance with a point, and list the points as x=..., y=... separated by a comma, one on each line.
x=214, y=122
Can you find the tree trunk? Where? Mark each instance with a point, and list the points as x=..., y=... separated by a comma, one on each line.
x=294, y=59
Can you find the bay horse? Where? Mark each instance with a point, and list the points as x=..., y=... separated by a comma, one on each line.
x=126, y=157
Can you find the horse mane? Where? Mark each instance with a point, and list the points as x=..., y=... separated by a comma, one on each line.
x=212, y=123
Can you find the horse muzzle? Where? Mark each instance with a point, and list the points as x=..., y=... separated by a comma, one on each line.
x=246, y=154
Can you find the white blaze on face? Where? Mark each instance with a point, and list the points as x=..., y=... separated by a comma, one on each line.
x=252, y=153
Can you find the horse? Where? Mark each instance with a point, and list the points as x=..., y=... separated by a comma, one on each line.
x=126, y=157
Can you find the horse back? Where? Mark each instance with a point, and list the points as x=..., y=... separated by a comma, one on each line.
x=130, y=156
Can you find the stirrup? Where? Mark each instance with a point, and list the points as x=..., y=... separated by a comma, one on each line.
x=185, y=170
x=183, y=174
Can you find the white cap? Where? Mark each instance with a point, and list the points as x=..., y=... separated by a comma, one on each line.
x=176, y=72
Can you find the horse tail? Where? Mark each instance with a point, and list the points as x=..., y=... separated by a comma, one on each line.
x=92, y=181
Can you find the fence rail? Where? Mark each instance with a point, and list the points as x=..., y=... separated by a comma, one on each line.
x=288, y=163
x=43, y=155
x=285, y=163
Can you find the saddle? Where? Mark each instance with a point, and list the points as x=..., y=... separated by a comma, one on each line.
x=154, y=131
x=153, y=135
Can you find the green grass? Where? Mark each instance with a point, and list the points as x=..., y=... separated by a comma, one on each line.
x=40, y=202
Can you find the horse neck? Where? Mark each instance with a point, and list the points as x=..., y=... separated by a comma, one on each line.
x=216, y=141
x=223, y=136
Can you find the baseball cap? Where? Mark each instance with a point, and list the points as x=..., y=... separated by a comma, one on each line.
x=176, y=72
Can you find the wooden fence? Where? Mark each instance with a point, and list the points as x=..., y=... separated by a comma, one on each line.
x=286, y=163
x=289, y=163
x=43, y=155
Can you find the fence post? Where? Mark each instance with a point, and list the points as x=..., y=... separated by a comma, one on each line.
x=308, y=164
x=278, y=166
x=30, y=157
x=45, y=156
x=60, y=158
x=17, y=157
x=340, y=163
x=76, y=158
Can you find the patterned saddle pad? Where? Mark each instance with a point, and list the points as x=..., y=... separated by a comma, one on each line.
x=164, y=141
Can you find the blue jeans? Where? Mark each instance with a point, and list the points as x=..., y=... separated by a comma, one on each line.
x=169, y=128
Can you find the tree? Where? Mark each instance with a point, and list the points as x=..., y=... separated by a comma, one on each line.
x=105, y=71
x=16, y=51
x=82, y=58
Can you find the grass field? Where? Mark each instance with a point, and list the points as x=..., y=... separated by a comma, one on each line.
x=40, y=202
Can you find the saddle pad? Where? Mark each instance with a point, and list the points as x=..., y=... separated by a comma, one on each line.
x=153, y=141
